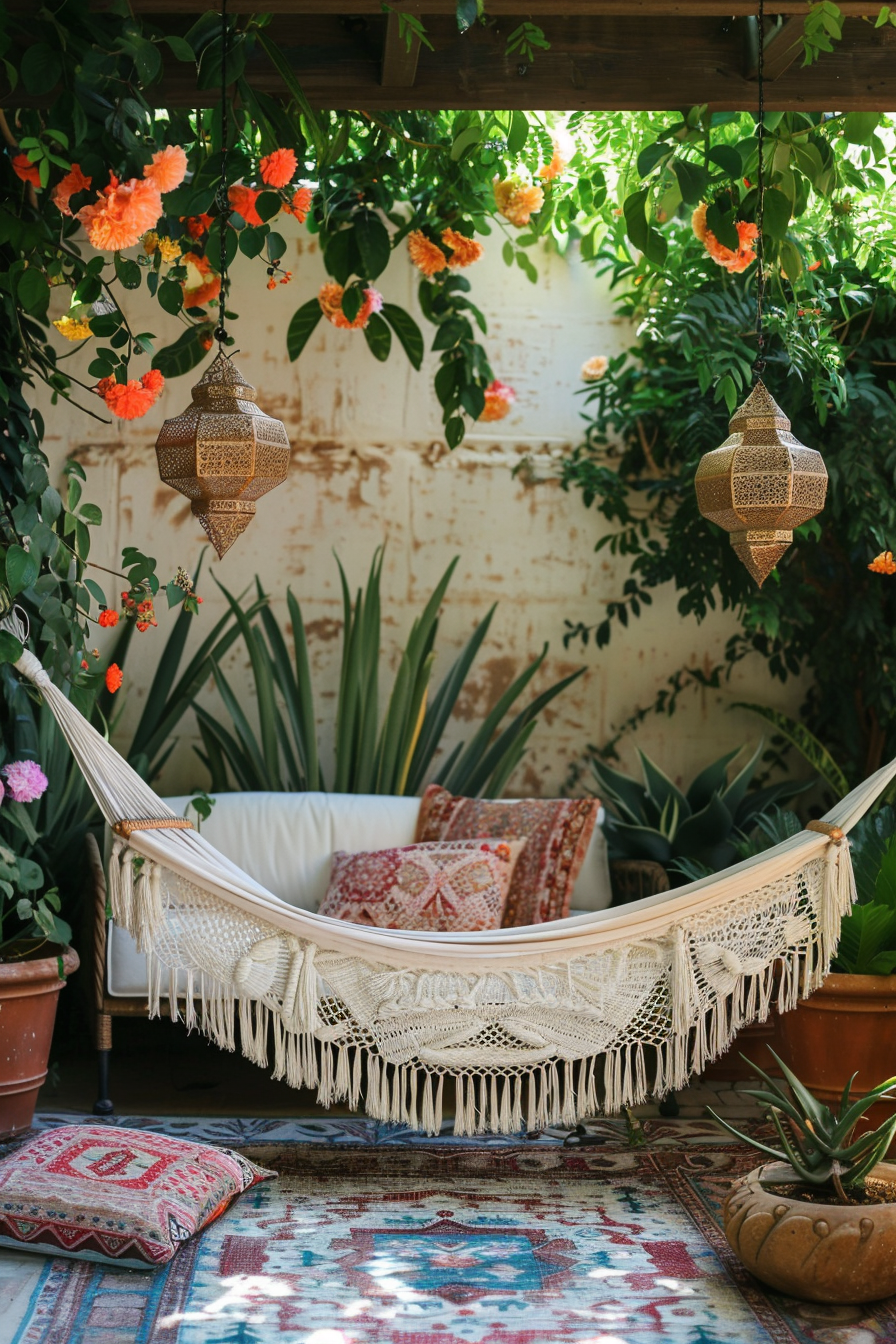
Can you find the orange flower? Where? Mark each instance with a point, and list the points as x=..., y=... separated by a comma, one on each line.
x=73, y=182
x=517, y=200
x=123, y=213
x=427, y=256
x=209, y=287
x=206, y=341
x=698, y=221
x=114, y=678
x=300, y=204
x=26, y=170
x=279, y=169
x=330, y=300
x=272, y=283
x=168, y=168
x=108, y=618
x=131, y=400
x=734, y=262
x=883, y=563
x=197, y=225
x=564, y=147
x=243, y=201
x=498, y=400
x=464, y=250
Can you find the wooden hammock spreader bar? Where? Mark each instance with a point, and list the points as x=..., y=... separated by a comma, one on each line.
x=126, y=828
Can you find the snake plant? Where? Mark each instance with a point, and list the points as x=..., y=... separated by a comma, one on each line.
x=817, y=1144
x=704, y=823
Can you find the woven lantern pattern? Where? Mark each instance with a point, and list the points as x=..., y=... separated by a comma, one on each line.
x=223, y=453
x=761, y=483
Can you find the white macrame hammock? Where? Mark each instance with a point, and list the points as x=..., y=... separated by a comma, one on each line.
x=542, y=1025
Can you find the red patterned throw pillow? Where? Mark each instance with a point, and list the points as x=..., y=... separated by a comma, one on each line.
x=556, y=831
x=454, y=887
x=120, y=1196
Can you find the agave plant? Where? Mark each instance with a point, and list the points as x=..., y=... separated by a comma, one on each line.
x=817, y=1145
x=704, y=824
x=388, y=752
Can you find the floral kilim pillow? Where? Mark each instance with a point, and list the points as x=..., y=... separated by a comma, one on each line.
x=453, y=887
x=96, y=1192
x=557, y=832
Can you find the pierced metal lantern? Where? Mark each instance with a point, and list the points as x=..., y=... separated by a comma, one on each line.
x=761, y=483
x=223, y=453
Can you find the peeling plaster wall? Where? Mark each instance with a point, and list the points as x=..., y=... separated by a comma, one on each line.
x=369, y=465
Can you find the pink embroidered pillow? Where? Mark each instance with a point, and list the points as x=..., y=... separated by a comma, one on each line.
x=452, y=887
x=96, y=1192
x=557, y=832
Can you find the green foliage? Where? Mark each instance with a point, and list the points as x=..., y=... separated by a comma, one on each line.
x=388, y=752
x=698, y=826
x=867, y=943
x=818, y=1147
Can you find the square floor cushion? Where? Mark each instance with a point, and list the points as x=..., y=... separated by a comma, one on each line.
x=556, y=832
x=120, y=1196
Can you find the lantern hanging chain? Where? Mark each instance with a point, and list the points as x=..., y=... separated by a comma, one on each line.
x=759, y=363
x=223, y=197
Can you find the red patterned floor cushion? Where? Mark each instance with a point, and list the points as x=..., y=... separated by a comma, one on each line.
x=446, y=887
x=556, y=830
x=97, y=1192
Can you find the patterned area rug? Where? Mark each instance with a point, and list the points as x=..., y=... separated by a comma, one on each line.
x=363, y=1240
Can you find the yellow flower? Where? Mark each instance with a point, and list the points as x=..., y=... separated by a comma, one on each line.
x=150, y=242
x=72, y=328
x=169, y=249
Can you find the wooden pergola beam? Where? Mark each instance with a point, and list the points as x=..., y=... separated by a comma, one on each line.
x=540, y=9
x=400, y=56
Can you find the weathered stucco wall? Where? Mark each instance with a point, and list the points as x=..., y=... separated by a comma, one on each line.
x=370, y=466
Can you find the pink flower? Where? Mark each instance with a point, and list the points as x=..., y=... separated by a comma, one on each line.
x=25, y=780
x=498, y=400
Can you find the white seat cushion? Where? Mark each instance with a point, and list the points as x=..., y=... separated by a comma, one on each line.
x=286, y=841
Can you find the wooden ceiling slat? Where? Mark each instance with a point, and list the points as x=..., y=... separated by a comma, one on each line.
x=400, y=56
x=541, y=9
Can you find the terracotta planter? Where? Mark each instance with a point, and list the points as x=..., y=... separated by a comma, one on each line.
x=849, y=1024
x=821, y=1252
x=29, y=992
x=754, y=1042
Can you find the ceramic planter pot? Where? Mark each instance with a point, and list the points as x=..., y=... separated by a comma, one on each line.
x=821, y=1252
x=29, y=993
x=848, y=1024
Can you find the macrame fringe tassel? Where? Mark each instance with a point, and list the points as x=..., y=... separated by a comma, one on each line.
x=135, y=894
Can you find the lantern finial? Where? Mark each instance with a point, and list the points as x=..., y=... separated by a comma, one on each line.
x=223, y=452
x=761, y=483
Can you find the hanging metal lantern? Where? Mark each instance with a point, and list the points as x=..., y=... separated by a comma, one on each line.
x=223, y=453
x=761, y=483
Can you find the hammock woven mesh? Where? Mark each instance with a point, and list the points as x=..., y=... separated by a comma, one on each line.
x=541, y=1025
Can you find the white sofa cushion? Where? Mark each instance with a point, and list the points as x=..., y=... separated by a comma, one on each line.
x=286, y=841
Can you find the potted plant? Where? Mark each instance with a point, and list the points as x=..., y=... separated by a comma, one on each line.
x=819, y=1220
x=857, y=1002
x=35, y=959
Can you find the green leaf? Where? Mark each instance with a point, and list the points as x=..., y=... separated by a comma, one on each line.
x=181, y=48
x=276, y=246
x=11, y=649
x=407, y=331
x=519, y=130
x=21, y=569
x=806, y=743
x=182, y=355
x=692, y=179
x=859, y=127
x=791, y=261
x=372, y=238
x=454, y=431
x=251, y=241
x=651, y=155
x=352, y=300
x=284, y=69
x=33, y=291
x=301, y=327
x=213, y=252
x=170, y=296
x=268, y=205
x=467, y=12
x=466, y=140
x=41, y=68
x=128, y=273
x=776, y=212
x=378, y=337
x=728, y=159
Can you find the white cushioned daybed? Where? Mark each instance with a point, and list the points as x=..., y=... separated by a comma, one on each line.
x=286, y=841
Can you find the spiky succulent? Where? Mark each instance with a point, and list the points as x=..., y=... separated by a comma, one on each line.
x=818, y=1149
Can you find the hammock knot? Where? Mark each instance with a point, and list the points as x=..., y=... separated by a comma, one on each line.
x=31, y=667
x=834, y=833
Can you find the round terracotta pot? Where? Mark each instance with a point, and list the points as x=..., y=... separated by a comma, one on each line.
x=847, y=1025
x=820, y=1252
x=29, y=992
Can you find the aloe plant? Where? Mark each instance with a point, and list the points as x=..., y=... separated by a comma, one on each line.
x=388, y=752
x=817, y=1144
x=703, y=824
